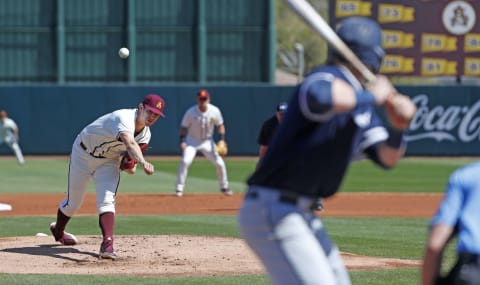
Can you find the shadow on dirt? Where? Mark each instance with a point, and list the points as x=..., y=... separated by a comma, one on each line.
x=56, y=251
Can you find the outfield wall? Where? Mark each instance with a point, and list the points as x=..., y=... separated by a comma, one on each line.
x=49, y=117
x=447, y=121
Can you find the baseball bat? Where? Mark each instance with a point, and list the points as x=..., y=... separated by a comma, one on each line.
x=318, y=24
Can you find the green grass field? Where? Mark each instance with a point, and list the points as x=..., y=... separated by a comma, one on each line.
x=382, y=237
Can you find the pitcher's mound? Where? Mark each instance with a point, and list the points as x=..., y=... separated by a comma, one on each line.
x=150, y=255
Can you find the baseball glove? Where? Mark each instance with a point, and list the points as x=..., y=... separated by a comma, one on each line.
x=221, y=148
x=128, y=162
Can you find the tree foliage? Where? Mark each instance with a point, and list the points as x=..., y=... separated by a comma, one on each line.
x=291, y=30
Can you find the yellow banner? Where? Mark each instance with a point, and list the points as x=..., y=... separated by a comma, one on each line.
x=472, y=43
x=388, y=13
x=438, y=66
x=438, y=42
x=472, y=66
x=346, y=8
x=397, y=64
x=397, y=39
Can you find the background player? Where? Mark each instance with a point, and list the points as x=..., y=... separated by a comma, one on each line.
x=330, y=121
x=458, y=216
x=268, y=129
x=98, y=153
x=196, y=134
x=9, y=135
x=265, y=137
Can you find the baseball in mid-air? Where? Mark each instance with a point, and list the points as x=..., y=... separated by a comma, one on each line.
x=123, y=52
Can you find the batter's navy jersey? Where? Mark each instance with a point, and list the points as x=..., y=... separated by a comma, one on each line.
x=310, y=153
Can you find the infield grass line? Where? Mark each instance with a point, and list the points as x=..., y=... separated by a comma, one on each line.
x=49, y=175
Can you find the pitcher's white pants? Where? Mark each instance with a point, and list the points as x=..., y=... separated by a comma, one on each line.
x=290, y=241
x=83, y=167
x=13, y=144
x=207, y=148
x=18, y=152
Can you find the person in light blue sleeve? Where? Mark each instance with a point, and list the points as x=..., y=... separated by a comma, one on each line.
x=457, y=216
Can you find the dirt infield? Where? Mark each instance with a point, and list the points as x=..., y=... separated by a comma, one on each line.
x=176, y=254
x=342, y=204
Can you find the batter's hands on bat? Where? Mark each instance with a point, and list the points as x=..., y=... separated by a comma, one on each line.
x=381, y=89
x=400, y=111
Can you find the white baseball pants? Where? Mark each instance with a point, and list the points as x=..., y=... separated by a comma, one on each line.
x=83, y=167
x=207, y=148
x=290, y=241
x=11, y=141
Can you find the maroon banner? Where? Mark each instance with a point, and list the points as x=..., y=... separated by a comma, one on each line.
x=422, y=37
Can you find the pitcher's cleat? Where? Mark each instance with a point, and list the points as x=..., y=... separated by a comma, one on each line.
x=226, y=191
x=106, y=250
x=63, y=238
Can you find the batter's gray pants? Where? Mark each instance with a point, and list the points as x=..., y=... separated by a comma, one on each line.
x=290, y=240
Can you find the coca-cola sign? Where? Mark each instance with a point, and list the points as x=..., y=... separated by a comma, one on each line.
x=451, y=123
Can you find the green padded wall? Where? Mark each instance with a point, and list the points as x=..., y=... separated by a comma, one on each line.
x=50, y=117
x=73, y=41
x=447, y=121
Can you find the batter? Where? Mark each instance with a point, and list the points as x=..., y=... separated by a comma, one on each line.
x=330, y=121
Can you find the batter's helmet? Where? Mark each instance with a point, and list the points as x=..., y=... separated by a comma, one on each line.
x=364, y=37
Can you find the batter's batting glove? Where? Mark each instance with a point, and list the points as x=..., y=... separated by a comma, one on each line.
x=221, y=148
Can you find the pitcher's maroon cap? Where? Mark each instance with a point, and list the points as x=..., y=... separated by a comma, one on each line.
x=154, y=103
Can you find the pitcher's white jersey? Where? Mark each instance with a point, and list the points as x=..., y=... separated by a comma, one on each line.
x=6, y=129
x=101, y=138
x=9, y=136
x=201, y=125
